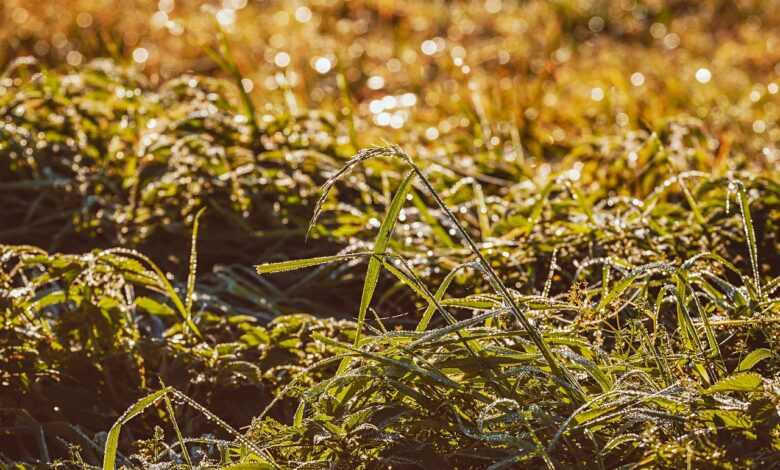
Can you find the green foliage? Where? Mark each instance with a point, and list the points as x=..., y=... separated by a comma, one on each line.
x=533, y=277
x=112, y=440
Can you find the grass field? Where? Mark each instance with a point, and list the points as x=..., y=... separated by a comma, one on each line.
x=260, y=234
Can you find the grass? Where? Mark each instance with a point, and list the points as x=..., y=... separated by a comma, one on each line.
x=550, y=263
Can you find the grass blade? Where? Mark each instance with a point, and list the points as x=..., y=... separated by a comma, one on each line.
x=750, y=235
x=112, y=441
x=193, y=268
x=296, y=264
x=380, y=246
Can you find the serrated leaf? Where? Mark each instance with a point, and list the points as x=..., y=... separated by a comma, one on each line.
x=740, y=382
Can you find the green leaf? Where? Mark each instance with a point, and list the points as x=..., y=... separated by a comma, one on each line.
x=407, y=280
x=753, y=358
x=708, y=331
x=433, y=375
x=740, y=382
x=179, y=436
x=298, y=419
x=482, y=211
x=295, y=264
x=380, y=246
x=250, y=466
x=164, y=283
x=439, y=295
x=154, y=307
x=750, y=235
x=616, y=291
x=112, y=441
x=193, y=269
x=604, y=379
x=618, y=441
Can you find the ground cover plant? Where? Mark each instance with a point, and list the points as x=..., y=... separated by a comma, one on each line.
x=370, y=234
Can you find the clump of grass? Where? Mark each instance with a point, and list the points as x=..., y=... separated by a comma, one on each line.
x=670, y=360
x=615, y=407
x=592, y=284
x=111, y=160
